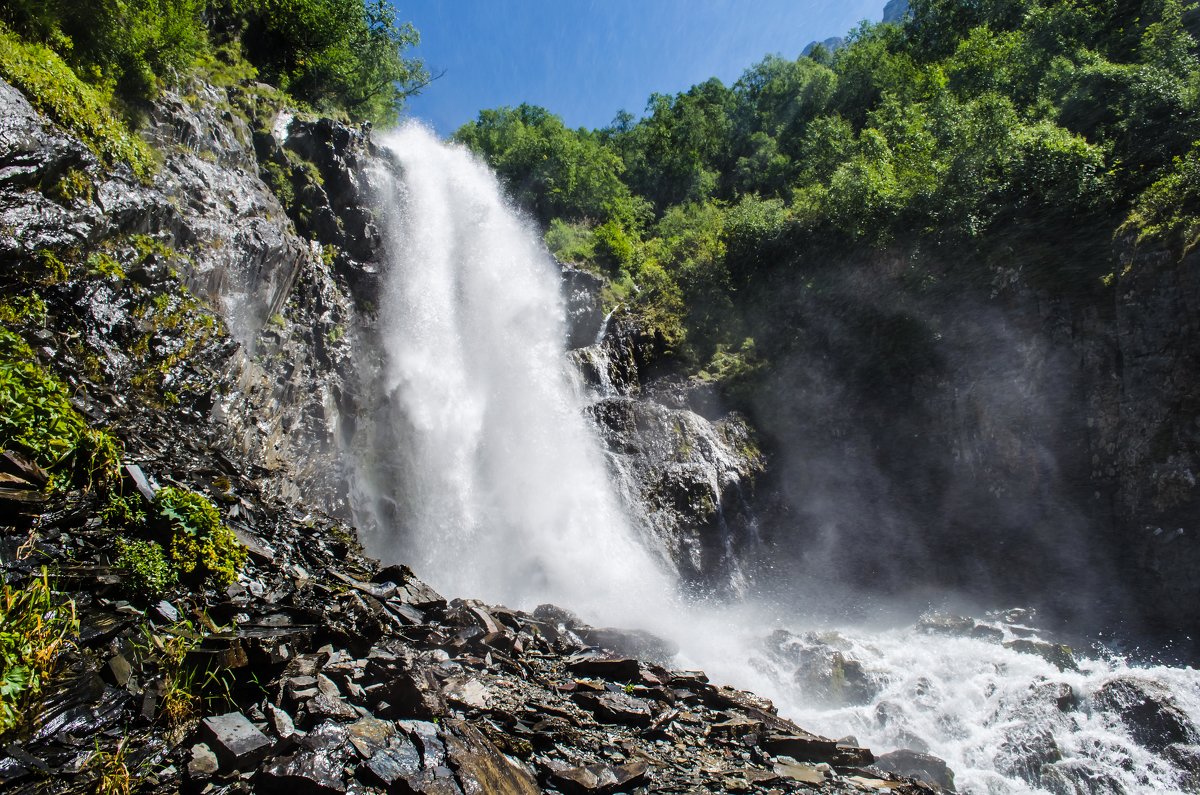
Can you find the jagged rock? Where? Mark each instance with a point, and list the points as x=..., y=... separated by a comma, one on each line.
x=1027, y=753
x=616, y=669
x=1149, y=712
x=236, y=741
x=140, y=482
x=693, y=478
x=119, y=670
x=481, y=768
x=22, y=468
x=599, y=778
x=960, y=626
x=918, y=765
x=618, y=708
x=633, y=642
x=801, y=771
x=317, y=768
x=822, y=672
x=202, y=762
x=281, y=722
x=322, y=707
x=469, y=693
x=813, y=748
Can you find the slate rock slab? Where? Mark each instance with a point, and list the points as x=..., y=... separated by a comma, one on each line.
x=236, y=741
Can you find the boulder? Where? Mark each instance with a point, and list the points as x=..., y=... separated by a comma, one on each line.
x=1148, y=711
x=617, y=708
x=914, y=764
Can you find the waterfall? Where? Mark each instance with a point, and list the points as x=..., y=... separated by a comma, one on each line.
x=500, y=486
x=482, y=472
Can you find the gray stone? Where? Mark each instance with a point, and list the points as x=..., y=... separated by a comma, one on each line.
x=202, y=762
x=281, y=722
x=141, y=482
x=913, y=764
x=1149, y=712
x=618, y=708
x=236, y=741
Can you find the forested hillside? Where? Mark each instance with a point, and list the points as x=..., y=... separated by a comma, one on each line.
x=966, y=129
x=333, y=56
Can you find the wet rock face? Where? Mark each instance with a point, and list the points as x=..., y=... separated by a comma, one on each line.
x=1148, y=711
x=1147, y=433
x=824, y=673
x=686, y=466
x=691, y=481
x=271, y=381
x=1006, y=441
x=35, y=158
x=585, y=316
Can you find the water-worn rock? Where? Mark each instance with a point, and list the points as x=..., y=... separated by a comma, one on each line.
x=1148, y=711
x=914, y=764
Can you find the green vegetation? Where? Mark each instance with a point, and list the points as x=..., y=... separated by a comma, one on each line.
x=113, y=776
x=200, y=545
x=37, y=418
x=145, y=567
x=35, y=624
x=335, y=56
x=85, y=110
x=969, y=128
x=166, y=652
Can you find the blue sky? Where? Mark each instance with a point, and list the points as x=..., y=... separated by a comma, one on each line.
x=587, y=59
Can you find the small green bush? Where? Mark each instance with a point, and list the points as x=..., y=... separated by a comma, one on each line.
x=36, y=416
x=147, y=571
x=200, y=544
x=101, y=264
x=121, y=511
x=35, y=624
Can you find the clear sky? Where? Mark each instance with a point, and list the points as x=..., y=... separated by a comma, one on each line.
x=587, y=59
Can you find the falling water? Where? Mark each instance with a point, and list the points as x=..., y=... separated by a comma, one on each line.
x=501, y=484
x=497, y=488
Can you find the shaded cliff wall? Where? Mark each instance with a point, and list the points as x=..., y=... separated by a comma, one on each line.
x=1009, y=442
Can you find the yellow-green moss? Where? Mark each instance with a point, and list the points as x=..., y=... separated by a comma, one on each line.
x=54, y=89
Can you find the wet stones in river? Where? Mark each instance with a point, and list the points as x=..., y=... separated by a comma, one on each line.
x=823, y=673
x=1152, y=716
x=1056, y=654
x=914, y=764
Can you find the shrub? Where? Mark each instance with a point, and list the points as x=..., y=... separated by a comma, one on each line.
x=147, y=571
x=1169, y=210
x=35, y=624
x=200, y=543
x=37, y=417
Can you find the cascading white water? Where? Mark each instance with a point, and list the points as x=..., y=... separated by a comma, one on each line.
x=499, y=490
x=503, y=490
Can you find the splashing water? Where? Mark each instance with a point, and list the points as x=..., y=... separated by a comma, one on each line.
x=1005, y=720
x=495, y=486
